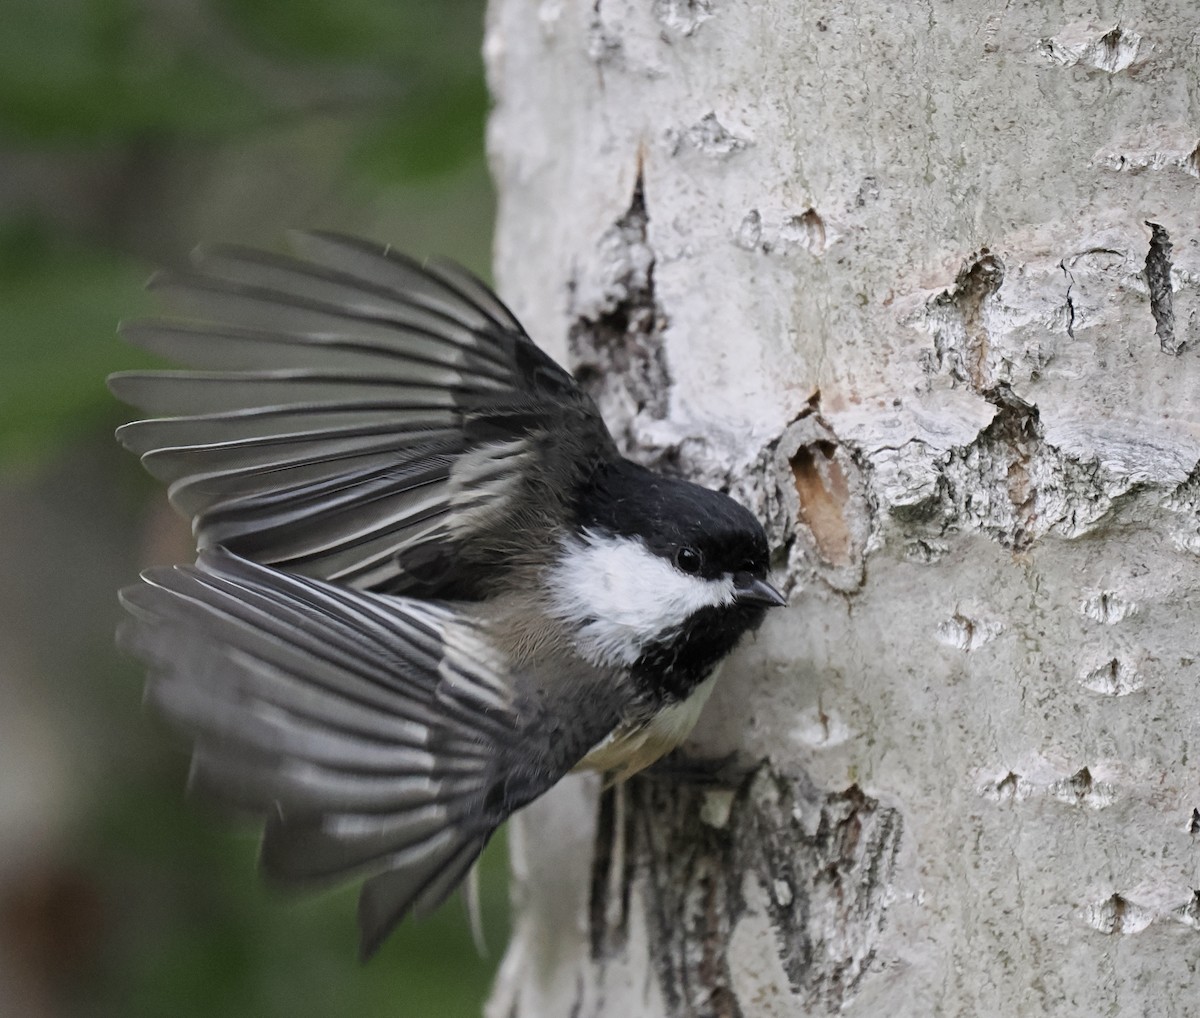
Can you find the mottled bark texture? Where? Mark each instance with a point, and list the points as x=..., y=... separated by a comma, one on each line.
x=919, y=284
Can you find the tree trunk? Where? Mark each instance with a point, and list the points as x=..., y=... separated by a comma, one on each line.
x=918, y=284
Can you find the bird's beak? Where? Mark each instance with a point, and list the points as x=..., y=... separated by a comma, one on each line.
x=749, y=589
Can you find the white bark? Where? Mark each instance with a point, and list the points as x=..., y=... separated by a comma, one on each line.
x=920, y=284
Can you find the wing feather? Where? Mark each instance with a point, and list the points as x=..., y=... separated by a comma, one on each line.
x=256, y=425
x=438, y=284
x=378, y=736
x=354, y=415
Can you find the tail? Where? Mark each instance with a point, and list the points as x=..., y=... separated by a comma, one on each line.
x=377, y=735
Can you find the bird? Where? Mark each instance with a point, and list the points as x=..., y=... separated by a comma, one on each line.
x=428, y=585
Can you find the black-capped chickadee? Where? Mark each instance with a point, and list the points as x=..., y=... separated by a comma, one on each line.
x=428, y=586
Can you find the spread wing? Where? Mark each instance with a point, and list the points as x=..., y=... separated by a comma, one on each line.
x=380, y=736
x=357, y=417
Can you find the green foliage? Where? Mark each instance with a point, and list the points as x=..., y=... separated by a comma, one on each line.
x=429, y=136
x=107, y=72
x=132, y=122
x=192, y=930
x=418, y=36
x=59, y=305
x=104, y=72
x=123, y=75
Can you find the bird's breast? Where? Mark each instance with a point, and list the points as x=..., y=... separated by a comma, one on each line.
x=635, y=745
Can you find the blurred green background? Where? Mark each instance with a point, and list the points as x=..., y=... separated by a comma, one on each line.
x=130, y=130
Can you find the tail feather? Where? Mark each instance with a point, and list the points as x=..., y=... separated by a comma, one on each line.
x=387, y=898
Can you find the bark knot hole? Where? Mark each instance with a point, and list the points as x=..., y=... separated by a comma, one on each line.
x=823, y=491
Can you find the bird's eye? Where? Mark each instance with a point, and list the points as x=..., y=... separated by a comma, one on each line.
x=687, y=560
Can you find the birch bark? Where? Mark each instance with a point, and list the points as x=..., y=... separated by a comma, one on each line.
x=919, y=284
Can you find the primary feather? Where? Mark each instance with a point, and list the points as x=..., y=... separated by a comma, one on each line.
x=380, y=735
x=356, y=417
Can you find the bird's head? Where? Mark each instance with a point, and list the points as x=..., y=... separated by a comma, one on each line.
x=653, y=559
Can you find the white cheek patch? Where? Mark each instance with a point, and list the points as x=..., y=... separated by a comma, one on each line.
x=619, y=596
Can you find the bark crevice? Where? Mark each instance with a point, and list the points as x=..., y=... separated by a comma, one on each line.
x=1158, y=280
x=813, y=868
x=616, y=336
